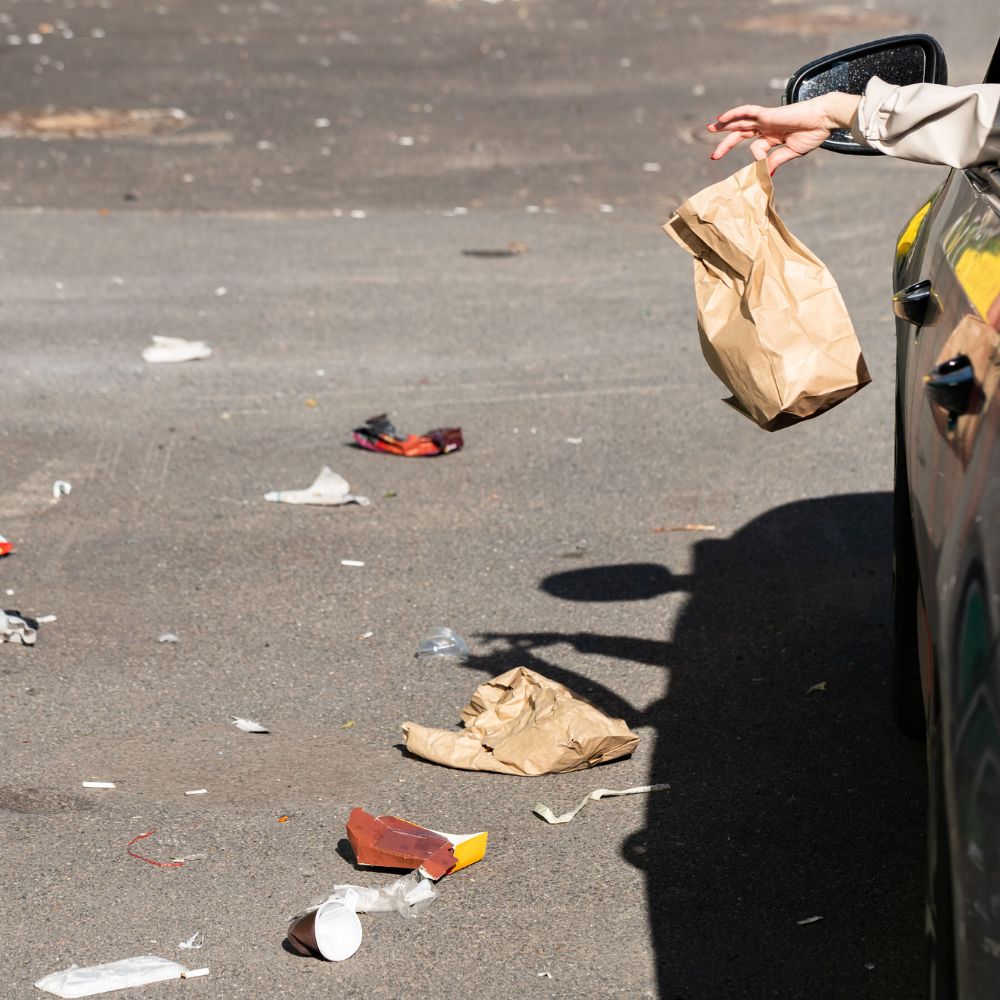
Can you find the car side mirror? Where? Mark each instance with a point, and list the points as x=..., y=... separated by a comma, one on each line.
x=901, y=60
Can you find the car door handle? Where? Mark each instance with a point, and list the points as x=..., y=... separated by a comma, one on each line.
x=951, y=385
x=914, y=303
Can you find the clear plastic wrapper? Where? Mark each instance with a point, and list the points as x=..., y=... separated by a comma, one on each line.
x=439, y=640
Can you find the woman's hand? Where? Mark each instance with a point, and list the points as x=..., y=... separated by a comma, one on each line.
x=790, y=131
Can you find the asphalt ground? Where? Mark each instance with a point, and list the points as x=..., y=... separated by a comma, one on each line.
x=591, y=424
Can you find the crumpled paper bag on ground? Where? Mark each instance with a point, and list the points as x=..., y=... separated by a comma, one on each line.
x=523, y=723
x=772, y=322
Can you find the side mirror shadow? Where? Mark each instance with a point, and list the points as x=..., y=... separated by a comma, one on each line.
x=901, y=60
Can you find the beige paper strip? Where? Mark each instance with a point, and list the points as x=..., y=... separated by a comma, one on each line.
x=598, y=793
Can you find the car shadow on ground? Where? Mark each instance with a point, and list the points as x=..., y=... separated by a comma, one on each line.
x=792, y=795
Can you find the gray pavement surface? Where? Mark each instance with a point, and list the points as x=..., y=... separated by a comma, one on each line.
x=591, y=423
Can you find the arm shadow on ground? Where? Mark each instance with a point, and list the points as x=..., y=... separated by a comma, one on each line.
x=786, y=803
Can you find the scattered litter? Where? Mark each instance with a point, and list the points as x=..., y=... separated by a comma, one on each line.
x=391, y=842
x=324, y=930
x=139, y=971
x=351, y=562
x=379, y=434
x=599, y=793
x=321, y=123
x=195, y=973
x=808, y=920
x=193, y=943
x=327, y=931
x=5, y=547
x=46, y=619
x=607, y=209
x=574, y=440
x=311, y=403
x=149, y=861
x=283, y=819
x=98, y=784
x=366, y=635
x=60, y=488
x=200, y=856
x=90, y=123
x=406, y=140
x=651, y=168
x=821, y=686
x=684, y=527
x=168, y=637
x=15, y=629
x=170, y=349
x=511, y=250
x=443, y=641
x=544, y=975
x=222, y=290
x=248, y=725
x=524, y=723
x=197, y=791
x=328, y=490
x=359, y=213
x=348, y=725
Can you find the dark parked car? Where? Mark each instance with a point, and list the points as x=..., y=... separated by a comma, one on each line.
x=946, y=580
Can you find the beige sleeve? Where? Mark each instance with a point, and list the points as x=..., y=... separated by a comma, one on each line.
x=931, y=123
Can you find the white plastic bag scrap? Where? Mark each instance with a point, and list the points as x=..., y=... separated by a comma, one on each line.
x=408, y=896
x=94, y=979
x=15, y=629
x=168, y=349
x=329, y=490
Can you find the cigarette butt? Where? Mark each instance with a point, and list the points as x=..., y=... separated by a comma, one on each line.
x=197, y=791
x=194, y=973
x=351, y=562
x=98, y=784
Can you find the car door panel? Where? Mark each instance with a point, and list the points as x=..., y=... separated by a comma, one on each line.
x=954, y=473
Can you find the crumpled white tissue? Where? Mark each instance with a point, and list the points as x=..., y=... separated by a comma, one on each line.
x=329, y=490
x=167, y=349
x=15, y=629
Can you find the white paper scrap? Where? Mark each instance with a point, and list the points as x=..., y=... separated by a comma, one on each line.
x=328, y=490
x=170, y=349
x=94, y=979
x=599, y=793
x=168, y=637
x=98, y=784
x=197, y=791
x=248, y=725
x=60, y=488
x=194, y=942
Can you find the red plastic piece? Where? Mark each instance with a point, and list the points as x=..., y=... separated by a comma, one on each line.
x=391, y=842
x=379, y=434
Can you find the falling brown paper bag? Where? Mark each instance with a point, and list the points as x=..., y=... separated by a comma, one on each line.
x=772, y=322
x=523, y=723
